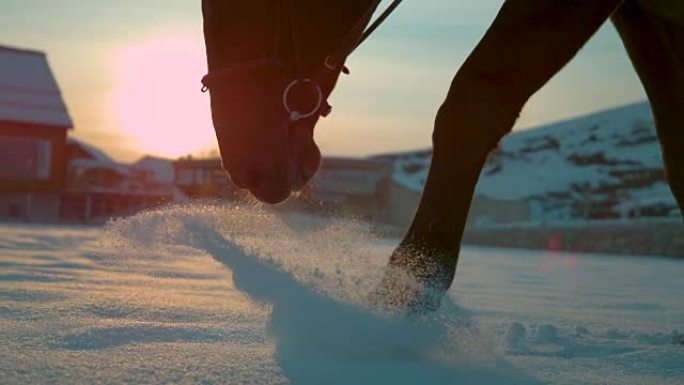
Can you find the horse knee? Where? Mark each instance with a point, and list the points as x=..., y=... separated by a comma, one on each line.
x=476, y=114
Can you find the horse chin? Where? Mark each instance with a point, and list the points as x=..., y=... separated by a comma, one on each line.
x=299, y=180
x=304, y=167
x=300, y=175
x=272, y=194
x=281, y=170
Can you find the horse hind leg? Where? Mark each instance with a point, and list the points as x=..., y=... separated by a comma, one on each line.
x=655, y=45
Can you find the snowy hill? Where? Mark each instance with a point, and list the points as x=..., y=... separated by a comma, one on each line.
x=602, y=165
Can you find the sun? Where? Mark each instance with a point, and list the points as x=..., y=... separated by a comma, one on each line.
x=157, y=102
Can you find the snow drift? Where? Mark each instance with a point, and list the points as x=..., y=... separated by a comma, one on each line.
x=323, y=328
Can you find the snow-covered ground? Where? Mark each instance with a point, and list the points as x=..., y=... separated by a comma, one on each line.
x=217, y=295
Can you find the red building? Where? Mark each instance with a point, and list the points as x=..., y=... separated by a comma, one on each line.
x=33, y=126
x=98, y=188
x=359, y=187
x=204, y=179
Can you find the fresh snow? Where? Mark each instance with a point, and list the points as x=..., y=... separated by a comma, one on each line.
x=230, y=295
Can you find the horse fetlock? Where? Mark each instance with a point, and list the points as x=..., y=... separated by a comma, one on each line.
x=411, y=289
x=416, y=278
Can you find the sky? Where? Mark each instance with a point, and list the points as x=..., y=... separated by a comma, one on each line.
x=130, y=72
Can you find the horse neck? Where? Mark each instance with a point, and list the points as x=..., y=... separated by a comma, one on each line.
x=239, y=30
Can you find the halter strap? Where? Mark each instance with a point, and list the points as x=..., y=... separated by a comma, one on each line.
x=351, y=43
x=241, y=68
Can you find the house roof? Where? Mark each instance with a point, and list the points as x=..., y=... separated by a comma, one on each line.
x=28, y=90
x=91, y=151
x=358, y=164
x=162, y=169
x=204, y=163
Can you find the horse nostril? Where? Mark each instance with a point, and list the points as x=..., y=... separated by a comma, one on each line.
x=259, y=178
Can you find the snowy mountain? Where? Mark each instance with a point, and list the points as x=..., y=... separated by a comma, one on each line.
x=604, y=165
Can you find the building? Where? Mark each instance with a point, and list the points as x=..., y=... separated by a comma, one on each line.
x=98, y=188
x=156, y=169
x=352, y=186
x=204, y=178
x=33, y=127
x=403, y=204
x=485, y=210
x=342, y=186
x=409, y=177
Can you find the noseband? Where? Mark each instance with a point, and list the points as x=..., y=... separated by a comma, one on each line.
x=331, y=66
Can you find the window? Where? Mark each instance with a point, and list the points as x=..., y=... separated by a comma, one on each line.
x=24, y=158
x=14, y=211
x=185, y=176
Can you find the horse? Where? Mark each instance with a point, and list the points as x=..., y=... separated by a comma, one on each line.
x=264, y=113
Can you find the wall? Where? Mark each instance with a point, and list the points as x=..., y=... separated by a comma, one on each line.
x=56, y=136
x=29, y=206
x=401, y=207
x=663, y=237
x=403, y=203
x=484, y=210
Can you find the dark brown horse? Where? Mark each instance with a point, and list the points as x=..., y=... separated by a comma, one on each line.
x=528, y=42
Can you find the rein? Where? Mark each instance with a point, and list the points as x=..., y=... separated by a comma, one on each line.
x=333, y=62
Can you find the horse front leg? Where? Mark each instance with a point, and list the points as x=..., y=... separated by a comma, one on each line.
x=528, y=42
x=655, y=44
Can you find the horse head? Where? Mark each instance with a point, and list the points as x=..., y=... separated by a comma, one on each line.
x=269, y=85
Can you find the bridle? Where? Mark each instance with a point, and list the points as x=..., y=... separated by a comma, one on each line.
x=332, y=65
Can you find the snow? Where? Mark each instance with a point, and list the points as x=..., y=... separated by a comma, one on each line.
x=232, y=295
x=550, y=170
x=28, y=90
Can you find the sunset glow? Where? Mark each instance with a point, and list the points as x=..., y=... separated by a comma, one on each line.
x=157, y=102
